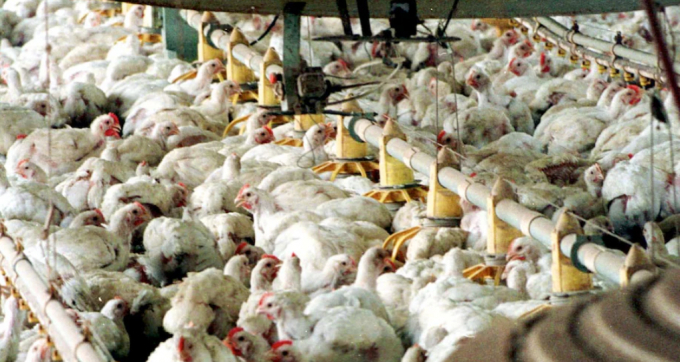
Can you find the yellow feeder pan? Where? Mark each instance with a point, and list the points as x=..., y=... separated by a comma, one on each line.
x=351, y=157
x=536, y=311
x=145, y=38
x=499, y=238
x=303, y=122
x=186, y=76
x=109, y=13
x=443, y=205
x=265, y=94
x=192, y=74
x=397, y=184
x=501, y=25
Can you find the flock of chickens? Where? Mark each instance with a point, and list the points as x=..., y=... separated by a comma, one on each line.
x=170, y=242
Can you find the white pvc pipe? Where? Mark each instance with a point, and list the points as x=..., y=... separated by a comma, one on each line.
x=599, y=260
x=67, y=338
x=220, y=38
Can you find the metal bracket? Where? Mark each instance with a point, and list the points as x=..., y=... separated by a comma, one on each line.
x=580, y=241
x=211, y=27
x=364, y=17
x=291, y=55
x=350, y=127
x=344, y=16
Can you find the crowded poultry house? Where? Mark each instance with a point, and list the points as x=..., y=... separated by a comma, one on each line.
x=187, y=186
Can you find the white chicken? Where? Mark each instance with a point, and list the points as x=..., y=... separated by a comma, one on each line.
x=195, y=87
x=210, y=300
x=69, y=147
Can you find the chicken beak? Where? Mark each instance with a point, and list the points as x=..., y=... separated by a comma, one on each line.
x=174, y=132
x=510, y=255
x=406, y=94
x=239, y=202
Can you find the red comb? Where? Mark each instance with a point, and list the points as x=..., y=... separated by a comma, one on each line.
x=263, y=297
x=139, y=205
x=115, y=118
x=270, y=256
x=240, y=192
x=634, y=87
x=280, y=344
x=183, y=185
x=269, y=129
x=21, y=136
x=272, y=78
x=473, y=174
x=440, y=136
x=630, y=155
x=234, y=331
x=143, y=163
x=542, y=59
x=343, y=63
x=180, y=345
x=374, y=49
x=25, y=160
x=240, y=247
x=293, y=255
x=99, y=212
x=512, y=61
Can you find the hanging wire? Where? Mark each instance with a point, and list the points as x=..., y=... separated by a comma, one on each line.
x=556, y=206
x=309, y=41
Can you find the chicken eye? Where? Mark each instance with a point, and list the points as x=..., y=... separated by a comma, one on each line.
x=284, y=353
x=387, y=268
x=269, y=265
x=247, y=194
x=478, y=76
x=135, y=212
x=269, y=305
x=247, y=252
x=241, y=339
x=119, y=306
x=344, y=263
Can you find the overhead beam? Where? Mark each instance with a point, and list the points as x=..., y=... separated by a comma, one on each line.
x=426, y=8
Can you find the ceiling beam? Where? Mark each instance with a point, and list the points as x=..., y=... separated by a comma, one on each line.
x=426, y=8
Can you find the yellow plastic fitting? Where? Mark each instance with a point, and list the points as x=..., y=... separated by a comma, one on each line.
x=236, y=70
x=442, y=202
x=500, y=233
x=565, y=276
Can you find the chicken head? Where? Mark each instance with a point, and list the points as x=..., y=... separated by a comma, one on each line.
x=510, y=37
x=251, y=252
x=115, y=309
x=284, y=351
x=524, y=248
x=269, y=306
x=106, y=125
x=518, y=66
x=137, y=214
x=477, y=79
x=30, y=171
